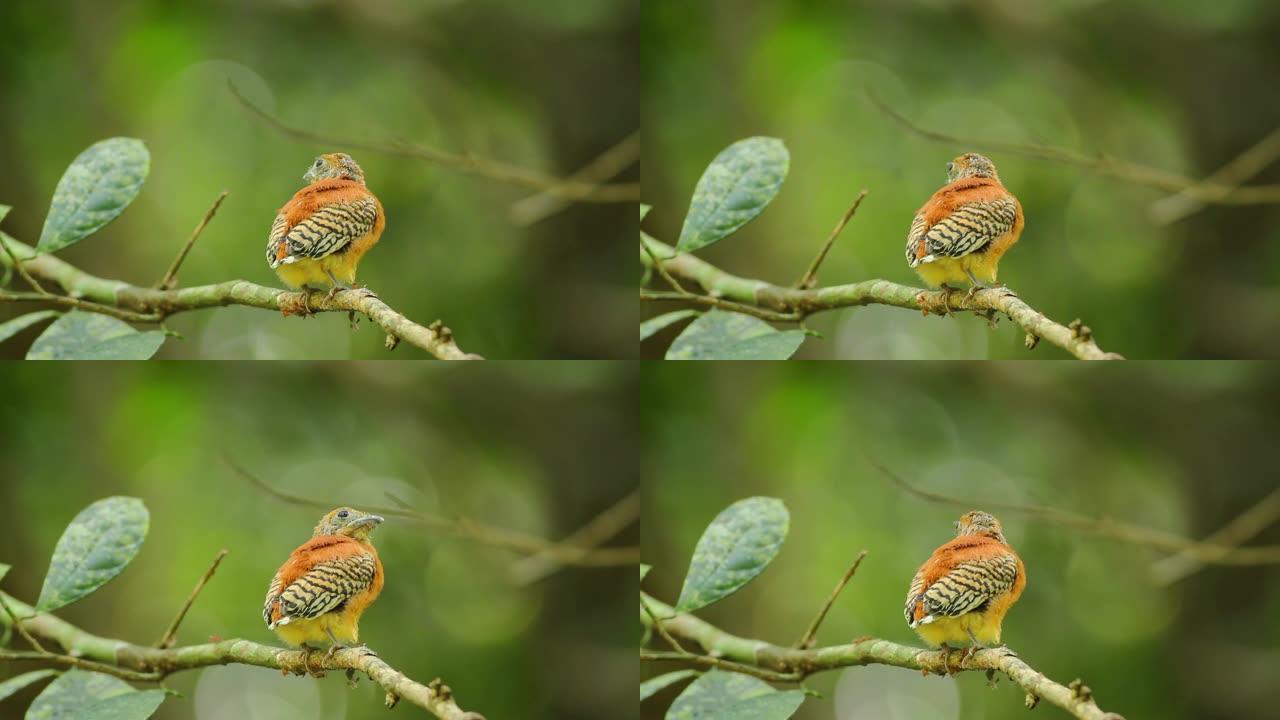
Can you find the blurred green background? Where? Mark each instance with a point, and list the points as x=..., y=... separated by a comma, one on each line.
x=540, y=448
x=546, y=86
x=1171, y=446
x=1174, y=85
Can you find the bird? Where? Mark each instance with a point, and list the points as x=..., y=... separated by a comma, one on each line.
x=965, y=227
x=963, y=591
x=320, y=235
x=320, y=592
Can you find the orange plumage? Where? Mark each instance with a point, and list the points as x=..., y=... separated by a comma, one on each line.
x=963, y=591
x=327, y=583
x=964, y=229
x=321, y=234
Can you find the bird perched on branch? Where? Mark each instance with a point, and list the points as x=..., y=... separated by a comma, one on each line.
x=963, y=230
x=327, y=583
x=962, y=592
x=320, y=235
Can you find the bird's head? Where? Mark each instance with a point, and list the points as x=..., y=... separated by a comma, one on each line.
x=971, y=165
x=976, y=522
x=349, y=522
x=334, y=165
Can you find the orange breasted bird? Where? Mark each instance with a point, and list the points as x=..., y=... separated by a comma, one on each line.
x=963, y=230
x=320, y=235
x=962, y=592
x=327, y=583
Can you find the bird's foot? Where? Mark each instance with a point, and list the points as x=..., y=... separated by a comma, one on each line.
x=946, y=655
x=328, y=656
x=968, y=654
x=297, y=304
x=306, y=662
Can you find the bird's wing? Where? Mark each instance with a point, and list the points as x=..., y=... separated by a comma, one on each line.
x=915, y=238
x=970, y=585
x=968, y=228
x=322, y=588
x=327, y=230
x=913, y=596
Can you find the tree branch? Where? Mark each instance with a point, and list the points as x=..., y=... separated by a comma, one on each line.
x=153, y=664
x=1207, y=192
x=807, y=640
x=1075, y=698
x=471, y=530
x=1241, y=529
x=1205, y=552
x=1244, y=166
x=468, y=163
x=606, y=166
x=810, y=277
x=719, y=286
x=150, y=305
x=601, y=528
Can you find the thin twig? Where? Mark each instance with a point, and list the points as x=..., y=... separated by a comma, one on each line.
x=1240, y=530
x=601, y=528
x=606, y=166
x=21, y=630
x=75, y=662
x=469, y=529
x=170, y=278
x=1134, y=534
x=809, y=279
x=1106, y=165
x=656, y=264
x=720, y=664
x=468, y=163
x=168, y=639
x=17, y=264
x=657, y=625
x=719, y=303
x=1243, y=167
x=807, y=640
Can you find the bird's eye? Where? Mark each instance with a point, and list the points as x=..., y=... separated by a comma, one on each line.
x=951, y=167
x=343, y=513
x=319, y=162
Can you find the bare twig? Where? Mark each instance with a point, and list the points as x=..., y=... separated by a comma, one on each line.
x=17, y=625
x=468, y=163
x=798, y=664
x=606, y=166
x=170, y=278
x=470, y=530
x=1246, y=165
x=807, y=640
x=809, y=279
x=17, y=265
x=715, y=302
x=1240, y=530
x=1106, y=165
x=601, y=528
x=796, y=304
x=168, y=639
x=1134, y=534
x=721, y=664
x=148, y=664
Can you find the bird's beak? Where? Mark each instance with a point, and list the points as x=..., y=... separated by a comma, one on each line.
x=369, y=520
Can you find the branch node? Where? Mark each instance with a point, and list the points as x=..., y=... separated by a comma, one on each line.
x=391, y=700
x=1031, y=341
x=1032, y=700
x=1080, y=691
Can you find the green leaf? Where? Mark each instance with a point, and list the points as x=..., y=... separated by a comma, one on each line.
x=14, y=684
x=735, y=547
x=94, y=548
x=4, y=210
x=736, y=186
x=644, y=570
x=133, y=706
x=644, y=210
x=713, y=692
x=654, y=685
x=654, y=324
x=4, y=570
x=22, y=322
x=773, y=706
x=723, y=335
x=65, y=696
x=97, y=186
x=90, y=336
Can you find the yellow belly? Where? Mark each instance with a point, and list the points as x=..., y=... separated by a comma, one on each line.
x=312, y=631
x=954, y=631
x=312, y=272
x=951, y=271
